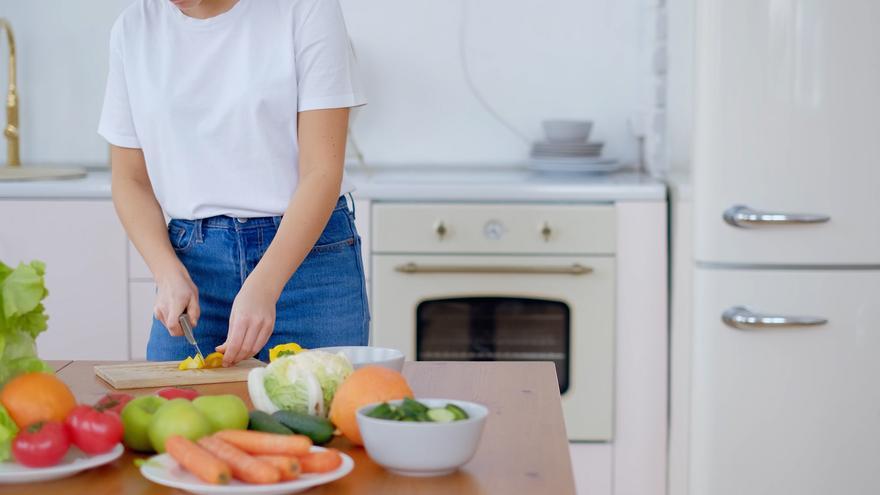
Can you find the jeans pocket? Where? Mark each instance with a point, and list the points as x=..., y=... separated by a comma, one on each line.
x=338, y=233
x=180, y=236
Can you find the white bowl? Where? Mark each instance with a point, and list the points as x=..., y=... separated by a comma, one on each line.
x=567, y=131
x=361, y=356
x=423, y=449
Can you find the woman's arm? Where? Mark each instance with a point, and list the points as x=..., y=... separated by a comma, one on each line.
x=144, y=223
x=322, y=136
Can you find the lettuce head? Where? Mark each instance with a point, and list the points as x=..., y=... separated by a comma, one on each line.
x=22, y=318
x=305, y=382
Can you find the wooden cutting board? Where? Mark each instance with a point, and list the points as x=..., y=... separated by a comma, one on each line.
x=166, y=374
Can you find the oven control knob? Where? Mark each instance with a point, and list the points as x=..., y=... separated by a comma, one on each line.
x=494, y=230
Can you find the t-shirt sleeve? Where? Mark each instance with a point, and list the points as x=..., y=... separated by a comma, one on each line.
x=116, y=125
x=326, y=70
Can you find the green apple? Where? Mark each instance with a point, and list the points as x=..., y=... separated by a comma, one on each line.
x=136, y=417
x=177, y=417
x=224, y=412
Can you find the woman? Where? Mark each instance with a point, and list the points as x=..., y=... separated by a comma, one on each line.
x=230, y=117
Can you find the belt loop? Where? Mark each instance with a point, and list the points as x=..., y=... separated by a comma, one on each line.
x=351, y=207
x=197, y=230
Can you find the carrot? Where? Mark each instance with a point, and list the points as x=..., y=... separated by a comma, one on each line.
x=262, y=443
x=287, y=466
x=244, y=467
x=197, y=460
x=323, y=461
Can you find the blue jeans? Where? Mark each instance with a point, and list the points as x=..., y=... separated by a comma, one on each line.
x=323, y=304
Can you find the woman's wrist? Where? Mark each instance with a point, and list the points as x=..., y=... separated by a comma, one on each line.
x=169, y=270
x=266, y=284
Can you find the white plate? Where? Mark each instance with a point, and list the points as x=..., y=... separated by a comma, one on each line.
x=586, y=166
x=73, y=462
x=164, y=470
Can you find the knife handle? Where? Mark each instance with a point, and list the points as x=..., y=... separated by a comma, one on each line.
x=187, y=328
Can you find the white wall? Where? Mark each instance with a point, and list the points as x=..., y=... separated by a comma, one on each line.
x=532, y=59
x=680, y=82
x=62, y=65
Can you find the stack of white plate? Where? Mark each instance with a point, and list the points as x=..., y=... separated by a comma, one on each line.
x=567, y=150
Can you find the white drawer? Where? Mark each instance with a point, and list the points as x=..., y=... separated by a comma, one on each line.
x=493, y=228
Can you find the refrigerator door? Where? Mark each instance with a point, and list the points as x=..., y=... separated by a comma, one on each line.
x=786, y=129
x=783, y=403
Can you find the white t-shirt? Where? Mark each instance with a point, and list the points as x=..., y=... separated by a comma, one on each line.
x=213, y=102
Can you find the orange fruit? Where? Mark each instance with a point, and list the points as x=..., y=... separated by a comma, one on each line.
x=38, y=396
x=365, y=386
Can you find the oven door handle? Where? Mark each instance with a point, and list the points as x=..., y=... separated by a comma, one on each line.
x=573, y=269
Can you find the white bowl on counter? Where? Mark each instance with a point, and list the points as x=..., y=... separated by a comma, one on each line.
x=361, y=356
x=567, y=131
x=423, y=448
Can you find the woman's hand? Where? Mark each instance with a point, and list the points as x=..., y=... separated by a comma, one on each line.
x=177, y=293
x=250, y=323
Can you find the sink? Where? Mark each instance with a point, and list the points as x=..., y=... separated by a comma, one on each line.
x=35, y=173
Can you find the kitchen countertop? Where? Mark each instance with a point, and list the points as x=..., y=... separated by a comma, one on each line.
x=523, y=448
x=417, y=183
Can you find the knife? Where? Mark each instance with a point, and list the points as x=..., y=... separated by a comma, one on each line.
x=188, y=333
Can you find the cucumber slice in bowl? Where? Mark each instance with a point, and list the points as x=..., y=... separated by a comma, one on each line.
x=458, y=412
x=441, y=415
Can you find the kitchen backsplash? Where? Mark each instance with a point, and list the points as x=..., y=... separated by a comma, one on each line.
x=528, y=60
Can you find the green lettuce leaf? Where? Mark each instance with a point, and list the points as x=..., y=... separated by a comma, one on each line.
x=8, y=430
x=23, y=289
x=22, y=318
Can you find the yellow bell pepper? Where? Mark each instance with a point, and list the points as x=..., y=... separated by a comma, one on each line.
x=192, y=363
x=284, y=350
x=214, y=360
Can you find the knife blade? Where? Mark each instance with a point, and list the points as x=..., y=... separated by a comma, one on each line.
x=188, y=333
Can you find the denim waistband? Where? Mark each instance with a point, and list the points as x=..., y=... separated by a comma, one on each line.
x=241, y=223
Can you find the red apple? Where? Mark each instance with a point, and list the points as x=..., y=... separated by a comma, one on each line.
x=113, y=402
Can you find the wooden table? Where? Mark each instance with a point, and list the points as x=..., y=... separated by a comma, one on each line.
x=523, y=449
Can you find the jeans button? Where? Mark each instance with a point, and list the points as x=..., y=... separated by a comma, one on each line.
x=242, y=220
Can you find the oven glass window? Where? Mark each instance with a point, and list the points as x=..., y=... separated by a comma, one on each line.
x=495, y=329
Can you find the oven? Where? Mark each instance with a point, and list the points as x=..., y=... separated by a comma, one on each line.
x=503, y=282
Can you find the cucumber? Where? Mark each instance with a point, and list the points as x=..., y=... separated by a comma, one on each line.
x=318, y=429
x=414, y=410
x=441, y=415
x=260, y=421
x=458, y=412
x=383, y=411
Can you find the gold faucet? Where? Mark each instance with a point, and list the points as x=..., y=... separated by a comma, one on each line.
x=11, y=131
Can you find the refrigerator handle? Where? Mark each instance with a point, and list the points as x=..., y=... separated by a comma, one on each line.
x=745, y=319
x=745, y=217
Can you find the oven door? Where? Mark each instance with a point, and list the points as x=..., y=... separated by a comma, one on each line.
x=508, y=308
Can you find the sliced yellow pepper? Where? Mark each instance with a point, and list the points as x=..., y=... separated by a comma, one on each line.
x=191, y=363
x=214, y=360
x=284, y=350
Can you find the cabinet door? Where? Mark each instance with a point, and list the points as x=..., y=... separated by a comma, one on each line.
x=84, y=247
x=786, y=410
x=142, y=298
x=786, y=122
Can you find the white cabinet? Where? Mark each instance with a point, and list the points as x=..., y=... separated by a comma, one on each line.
x=786, y=119
x=142, y=296
x=83, y=246
x=788, y=410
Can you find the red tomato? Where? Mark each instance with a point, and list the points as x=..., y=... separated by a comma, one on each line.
x=177, y=393
x=113, y=402
x=41, y=444
x=93, y=430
